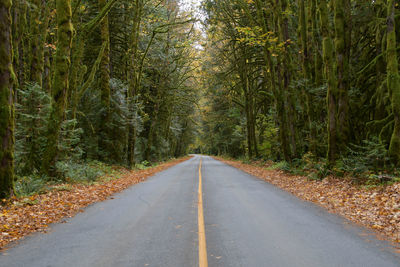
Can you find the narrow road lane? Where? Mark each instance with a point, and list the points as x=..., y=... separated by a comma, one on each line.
x=252, y=223
x=247, y=223
x=153, y=223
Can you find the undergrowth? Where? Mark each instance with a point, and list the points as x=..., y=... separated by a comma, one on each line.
x=367, y=165
x=361, y=168
x=69, y=172
x=72, y=172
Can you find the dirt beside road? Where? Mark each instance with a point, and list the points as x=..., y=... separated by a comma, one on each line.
x=24, y=216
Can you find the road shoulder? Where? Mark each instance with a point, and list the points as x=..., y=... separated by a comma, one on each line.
x=376, y=209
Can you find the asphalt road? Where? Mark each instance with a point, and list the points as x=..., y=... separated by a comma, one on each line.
x=247, y=223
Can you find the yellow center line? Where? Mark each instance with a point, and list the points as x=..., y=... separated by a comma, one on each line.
x=202, y=233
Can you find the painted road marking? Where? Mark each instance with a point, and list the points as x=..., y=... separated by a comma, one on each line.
x=202, y=233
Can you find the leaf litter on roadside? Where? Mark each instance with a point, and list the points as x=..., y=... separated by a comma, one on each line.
x=22, y=216
x=375, y=208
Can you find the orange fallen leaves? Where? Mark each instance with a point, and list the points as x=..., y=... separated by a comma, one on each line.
x=33, y=214
x=377, y=209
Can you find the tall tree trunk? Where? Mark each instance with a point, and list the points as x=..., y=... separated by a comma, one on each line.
x=248, y=127
x=39, y=21
x=105, y=86
x=329, y=63
x=60, y=83
x=318, y=64
x=20, y=42
x=6, y=102
x=393, y=81
x=253, y=123
x=34, y=53
x=77, y=68
x=306, y=38
x=283, y=28
x=270, y=69
x=343, y=46
x=380, y=108
x=47, y=70
x=134, y=80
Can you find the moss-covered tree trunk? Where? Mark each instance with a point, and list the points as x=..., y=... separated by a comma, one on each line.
x=393, y=81
x=6, y=102
x=305, y=29
x=318, y=64
x=342, y=47
x=380, y=111
x=105, y=87
x=270, y=70
x=45, y=52
x=244, y=77
x=20, y=41
x=329, y=67
x=60, y=83
x=16, y=31
x=78, y=70
x=34, y=52
x=282, y=15
x=134, y=80
x=253, y=115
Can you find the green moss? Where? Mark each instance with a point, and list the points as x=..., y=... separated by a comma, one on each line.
x=36, y=62
x=393, y=81
x=6, y=102
x=60, y=84
x=328, y=57
x=105, y=86
x=342, y=47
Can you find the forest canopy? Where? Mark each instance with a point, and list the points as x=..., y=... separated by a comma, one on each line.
x=137, y=82
x=110, y=81
x=304, y=81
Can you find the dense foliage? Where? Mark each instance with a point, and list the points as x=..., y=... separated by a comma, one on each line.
x=108, y=81
x=307, y=79
x=313, y=83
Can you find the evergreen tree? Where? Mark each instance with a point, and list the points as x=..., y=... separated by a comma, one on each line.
x=6, y=102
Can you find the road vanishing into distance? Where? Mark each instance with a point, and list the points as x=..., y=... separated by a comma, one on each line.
x=202, y=213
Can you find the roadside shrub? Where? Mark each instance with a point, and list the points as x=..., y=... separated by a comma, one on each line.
x=70, y=171
x=316, y=168
x=29, y=185
x=143, y=165
x=371, y=157
x=32, y=113
x=282, y=165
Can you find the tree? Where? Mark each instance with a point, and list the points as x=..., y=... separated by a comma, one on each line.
x=6, y=102
x=135, y=72
x=60, y=84
x=342, y=48
x=330, y=74
x=393, y=80
x=105, y=85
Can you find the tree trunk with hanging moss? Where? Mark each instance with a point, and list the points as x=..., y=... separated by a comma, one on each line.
x=20, y=42
x=393, y=81
x=134, y=80
x=342, y=47
x=329, y=69
x=78, y=70
x=270, y=71
x=305, y=29
x=34, y=51
x=60, y=84
x=285, y=60
x=39, y=21
x=105, y=86
x=6, y=102
x=318, y=64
